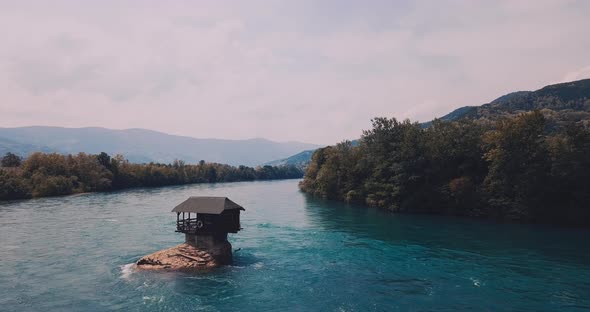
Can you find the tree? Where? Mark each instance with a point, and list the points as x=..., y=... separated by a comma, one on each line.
x=568, y=186
x=13, y=187
x=517, y=168
x=11, y=160
x=55, y=174
x=517, y=156
x=455, y=166
x=104, y=159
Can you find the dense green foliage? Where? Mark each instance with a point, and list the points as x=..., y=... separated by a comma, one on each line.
x=514, y=169
x=10, y=160
x=54, y=174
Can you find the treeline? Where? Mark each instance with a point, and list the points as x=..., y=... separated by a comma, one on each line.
x=43, y=174
x=512, y=169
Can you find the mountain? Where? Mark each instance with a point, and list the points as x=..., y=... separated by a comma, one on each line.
x=563, y=103
x=300, y=160
x=8, y=145
x=454, y=115
x=141, y=145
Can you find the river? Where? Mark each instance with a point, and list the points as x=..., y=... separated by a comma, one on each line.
x=296, y=253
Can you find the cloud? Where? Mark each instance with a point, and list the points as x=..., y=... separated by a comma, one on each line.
x=306, y=70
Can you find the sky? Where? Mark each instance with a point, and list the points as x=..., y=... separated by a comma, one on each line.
x=309, y=71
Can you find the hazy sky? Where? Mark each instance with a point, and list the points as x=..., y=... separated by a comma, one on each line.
x=312, y=71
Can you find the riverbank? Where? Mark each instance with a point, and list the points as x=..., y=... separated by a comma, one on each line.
x=47, y=175
x=523, y=169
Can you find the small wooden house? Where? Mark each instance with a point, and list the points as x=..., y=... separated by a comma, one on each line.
x=201, y=217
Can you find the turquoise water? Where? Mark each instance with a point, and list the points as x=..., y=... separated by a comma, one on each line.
x=297, y=253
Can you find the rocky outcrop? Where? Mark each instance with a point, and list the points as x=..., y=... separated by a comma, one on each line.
x=186, y=257
x=216, y=245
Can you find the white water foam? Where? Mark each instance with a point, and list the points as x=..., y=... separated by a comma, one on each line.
x=127, y=270
x=153, y=299
x=475, y=281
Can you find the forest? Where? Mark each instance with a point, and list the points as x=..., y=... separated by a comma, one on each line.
x=521, y=168
x=52, y=174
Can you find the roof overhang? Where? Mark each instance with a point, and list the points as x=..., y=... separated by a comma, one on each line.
x=207, y=205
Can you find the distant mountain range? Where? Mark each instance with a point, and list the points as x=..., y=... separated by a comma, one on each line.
x=141, y=145
x=563, y=103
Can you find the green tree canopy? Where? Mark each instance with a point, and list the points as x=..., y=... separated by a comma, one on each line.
x=10, y=160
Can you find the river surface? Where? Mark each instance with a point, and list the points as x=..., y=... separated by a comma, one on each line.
x=296, y=254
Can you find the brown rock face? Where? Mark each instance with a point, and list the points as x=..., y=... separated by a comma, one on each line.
x=216, y=245
x=202, y=252
x=183, y=257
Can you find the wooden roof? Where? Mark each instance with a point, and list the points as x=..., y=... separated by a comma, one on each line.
x=207, y=204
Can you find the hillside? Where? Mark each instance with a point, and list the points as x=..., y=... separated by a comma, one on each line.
x=8, y=145
x=141, y=145
x=454, y=115
x=300, y=160
x=560, y=103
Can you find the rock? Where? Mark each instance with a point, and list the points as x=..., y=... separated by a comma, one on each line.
x=148, y=261
x=217, y=246
x=186, y=257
